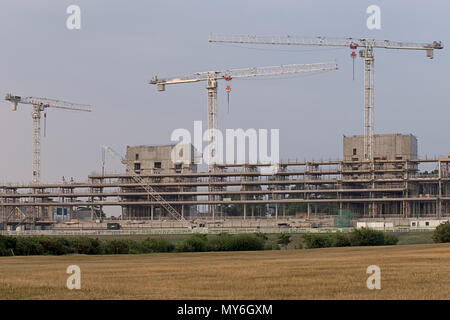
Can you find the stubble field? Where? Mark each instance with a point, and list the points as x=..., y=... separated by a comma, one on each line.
x=407, y=272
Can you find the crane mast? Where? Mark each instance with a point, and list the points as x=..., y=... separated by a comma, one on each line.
x=212, y=77
x=367, y=53
x=36, y=115
x=40, y=105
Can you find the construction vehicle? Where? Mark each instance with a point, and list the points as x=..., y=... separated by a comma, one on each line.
x=113, y=226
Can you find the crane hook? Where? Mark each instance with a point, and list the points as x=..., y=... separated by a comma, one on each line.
x=228, y=90
x=353, y=55
x=353, y=46
x=45, y=124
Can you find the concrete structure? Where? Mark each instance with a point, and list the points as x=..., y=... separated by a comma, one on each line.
x=427, y=223
x=384, y=188
x=159, y=159
x=387, y=147
x=374, y=224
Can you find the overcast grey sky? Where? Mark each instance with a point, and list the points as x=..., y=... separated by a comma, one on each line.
x=122, y=44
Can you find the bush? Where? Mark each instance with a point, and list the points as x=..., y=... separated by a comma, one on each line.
x=26, y=246
x=7, y=245
x=312, y=241
x=246, y=242
x=156, y=245
x=341, y=240
x=370, y=237
x=81, y=245
x=272, y=245
x=221, y=242
x=390, y=240
x=358, y=237
x=97, y=246
x=119, y=247
x=366, y=237
x=261, y=235
x=4, y=251
x=284, y=239
x=55, y=246
x=442, y=233
x=194, y=243
x=85, y=245
x=106, y=248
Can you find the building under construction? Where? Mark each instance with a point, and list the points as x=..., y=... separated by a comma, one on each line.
x=389, y=186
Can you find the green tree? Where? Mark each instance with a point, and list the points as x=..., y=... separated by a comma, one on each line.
x=442, y=233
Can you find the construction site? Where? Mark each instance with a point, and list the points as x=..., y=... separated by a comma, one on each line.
x=379, y=178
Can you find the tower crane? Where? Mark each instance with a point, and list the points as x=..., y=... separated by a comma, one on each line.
x=40, y=105
x=212, y=77
x=367, y=53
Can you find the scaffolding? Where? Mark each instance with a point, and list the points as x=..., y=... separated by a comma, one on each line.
x=382, y=188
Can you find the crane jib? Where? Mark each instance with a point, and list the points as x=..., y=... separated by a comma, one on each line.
x=245, y=73
x=324, y=41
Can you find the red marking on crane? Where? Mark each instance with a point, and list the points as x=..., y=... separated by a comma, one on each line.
x=228, y=89
x=227, y=78
x=353, y=46
x=353, y=54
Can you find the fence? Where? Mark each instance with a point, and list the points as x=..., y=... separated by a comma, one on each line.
x=200, y=230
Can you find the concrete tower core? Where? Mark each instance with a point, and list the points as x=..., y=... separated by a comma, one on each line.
x=387, y=147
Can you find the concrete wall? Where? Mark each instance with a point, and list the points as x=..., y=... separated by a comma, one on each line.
x=147, y=158
x=389, y=146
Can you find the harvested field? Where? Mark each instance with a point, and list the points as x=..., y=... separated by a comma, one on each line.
x=407, y=272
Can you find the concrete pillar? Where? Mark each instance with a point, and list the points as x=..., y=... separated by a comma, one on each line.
x=70, y=212
x=245, y=211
